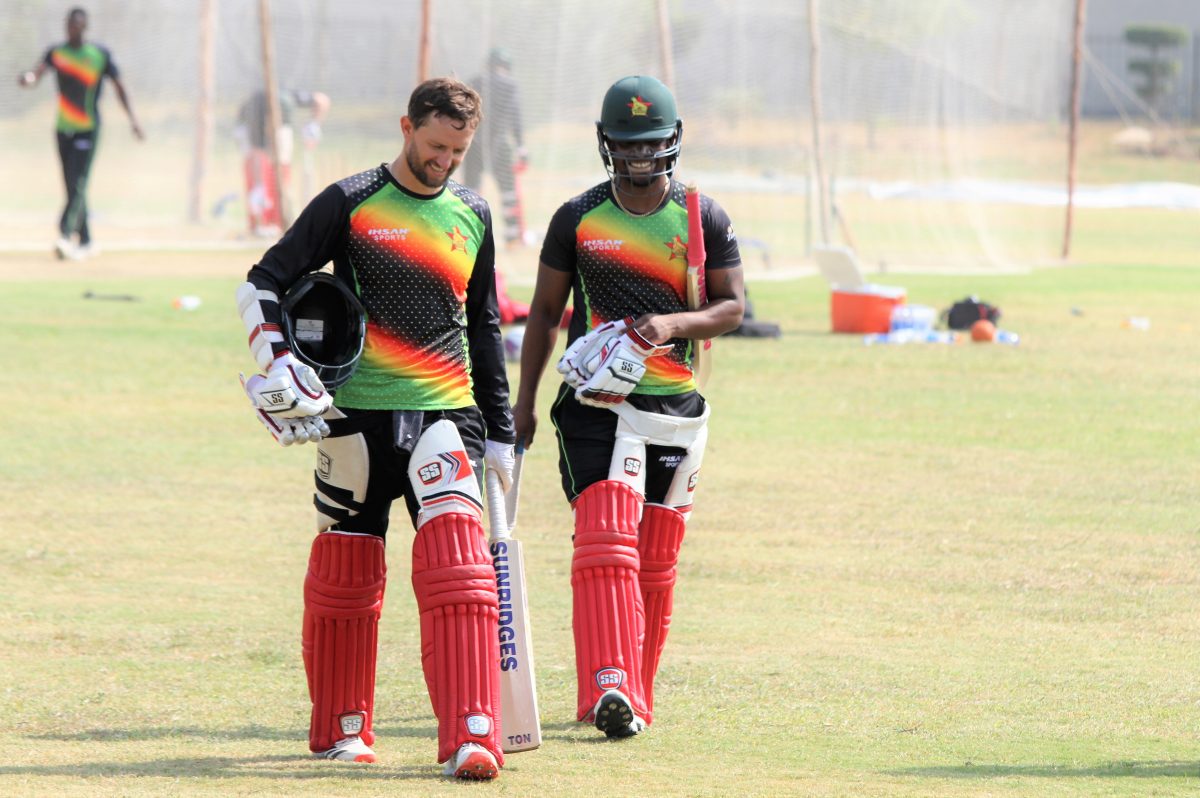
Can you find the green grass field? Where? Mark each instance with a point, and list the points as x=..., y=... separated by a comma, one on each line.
x=961, y=570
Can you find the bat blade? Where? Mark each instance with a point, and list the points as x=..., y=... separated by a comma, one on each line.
x=696, y=293
x=520, y=725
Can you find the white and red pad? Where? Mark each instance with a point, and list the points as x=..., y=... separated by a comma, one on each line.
x=638, y=428
x=608, y=618
x=455, y=588
x=441, y=474
x=343, y=597
x=660, y=536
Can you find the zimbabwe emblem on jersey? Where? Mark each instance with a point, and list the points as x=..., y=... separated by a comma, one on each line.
x=458, y=241
x=677, y=247
x=638, y=106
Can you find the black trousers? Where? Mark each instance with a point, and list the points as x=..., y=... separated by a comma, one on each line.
x=587, y=435
x=386, y=466
x=76, y=151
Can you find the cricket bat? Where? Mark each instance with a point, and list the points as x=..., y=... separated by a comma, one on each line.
x=696, y=294
x=520, y=727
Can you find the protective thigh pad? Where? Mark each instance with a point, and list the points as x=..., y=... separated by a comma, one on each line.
x=343, y=467
x=690, y=434
x=628, y=465
x=608, y=616
x=455, y=587
x=681, y=494
x=441, y=474
x=660, y=536
x=343, y=597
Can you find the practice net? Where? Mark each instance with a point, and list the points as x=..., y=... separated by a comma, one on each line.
x=930, y=110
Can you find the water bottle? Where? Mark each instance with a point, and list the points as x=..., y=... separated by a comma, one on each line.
x=1006, y=337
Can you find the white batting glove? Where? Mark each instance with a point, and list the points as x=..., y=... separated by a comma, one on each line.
x=622, y=363
x=573, y=365
x=290, y=389
x=285, y=431
x=500, y=457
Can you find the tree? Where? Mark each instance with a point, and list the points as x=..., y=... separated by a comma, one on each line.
x=1161, y=67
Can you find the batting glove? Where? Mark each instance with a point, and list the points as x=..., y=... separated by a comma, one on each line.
x=574, y=363
x=285, y=431
x=500, y=457
x=290, y=389
x=622, y=364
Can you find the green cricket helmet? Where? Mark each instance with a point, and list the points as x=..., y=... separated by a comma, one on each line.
x=639, y=108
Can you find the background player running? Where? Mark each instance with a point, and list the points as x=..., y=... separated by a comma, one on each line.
x=81, y=68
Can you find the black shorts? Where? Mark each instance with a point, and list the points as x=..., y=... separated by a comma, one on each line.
x=586, y=436
x=387, y=478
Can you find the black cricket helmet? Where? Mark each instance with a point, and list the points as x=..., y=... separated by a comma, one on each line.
x=325, y=326
x=639, y=108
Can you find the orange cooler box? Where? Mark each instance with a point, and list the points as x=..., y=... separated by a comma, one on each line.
x=866, y=309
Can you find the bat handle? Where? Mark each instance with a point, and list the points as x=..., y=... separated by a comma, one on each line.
x=496, y=510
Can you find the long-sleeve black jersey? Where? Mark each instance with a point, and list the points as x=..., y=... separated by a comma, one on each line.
x=624, y=265
x=424, y=269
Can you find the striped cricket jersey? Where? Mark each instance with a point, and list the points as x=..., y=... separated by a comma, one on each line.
x=423, y=267
x=81, y=72
x=624, y=265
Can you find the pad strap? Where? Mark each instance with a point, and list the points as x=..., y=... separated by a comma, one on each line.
x=455, y=587
x=608, y=617
x=343, y=597
x=660, y=536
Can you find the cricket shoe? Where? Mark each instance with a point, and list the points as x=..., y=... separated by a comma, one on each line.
x=615, y=717
x=348, y=749
x=64, y=249
x=472, y=761
x=88, y=250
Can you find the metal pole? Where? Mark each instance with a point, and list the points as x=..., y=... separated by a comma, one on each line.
x=1073, y=127
x=204, y=112
x=1195, y=98
x=274, y=115
x=814, y=62
x=666, y=54
x=426, y=45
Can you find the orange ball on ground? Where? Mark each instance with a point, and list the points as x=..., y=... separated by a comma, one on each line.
x=983, y=330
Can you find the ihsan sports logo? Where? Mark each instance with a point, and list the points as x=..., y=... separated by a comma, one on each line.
x=602, y=244
x=388, y=233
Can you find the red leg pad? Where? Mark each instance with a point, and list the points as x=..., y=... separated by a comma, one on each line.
x=343, y=597
x=455, y=586
x=659, y=537
x=608, y=615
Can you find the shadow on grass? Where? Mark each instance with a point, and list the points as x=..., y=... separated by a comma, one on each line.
x=1127, y=769
x=253, y=732
x=225, y=767
x=576, y=732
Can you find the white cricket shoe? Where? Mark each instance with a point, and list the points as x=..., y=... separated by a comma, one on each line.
x=614, y=716
x=88, y=250
x=64, y=249
x=348, y=749
x=472, y=761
